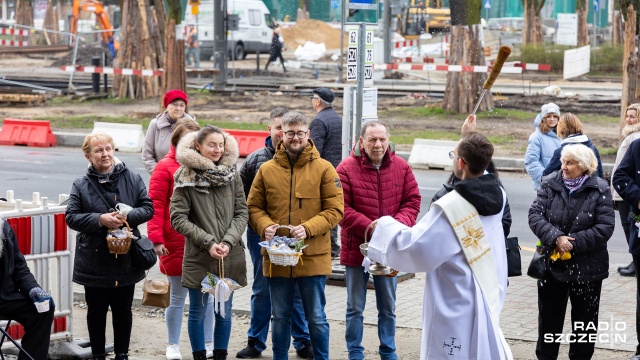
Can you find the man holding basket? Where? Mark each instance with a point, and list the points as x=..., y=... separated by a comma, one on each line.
x=299, y=189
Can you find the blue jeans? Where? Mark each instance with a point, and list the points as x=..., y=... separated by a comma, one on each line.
x=198, y=303
x=385, y=288
x=282, y=292
x=261, y=303
x=174, y=313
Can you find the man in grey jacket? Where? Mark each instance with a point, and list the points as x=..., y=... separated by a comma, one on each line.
x=326, y=133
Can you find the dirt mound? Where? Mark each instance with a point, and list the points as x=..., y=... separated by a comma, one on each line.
x=312, y=30
x=85, y=53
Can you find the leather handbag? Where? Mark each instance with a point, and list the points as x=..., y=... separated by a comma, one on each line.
x=514, y=265
x=142, y=254
x=156, y=292
x=539, y=263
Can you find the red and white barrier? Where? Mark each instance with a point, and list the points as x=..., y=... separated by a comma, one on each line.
x=452, y=68
x=6, y=31
x=406, y=43
x=13, y=43
x=538, y=67
x=109, y=70
x=45, y=240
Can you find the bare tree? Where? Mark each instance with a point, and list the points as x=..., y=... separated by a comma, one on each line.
x=617, y=27
x=174, y=76
x=630, y=64
x=532, y=32
x=583, y=32
x=463, y=88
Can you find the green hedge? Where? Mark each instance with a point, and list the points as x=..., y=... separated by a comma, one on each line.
x=607, y=60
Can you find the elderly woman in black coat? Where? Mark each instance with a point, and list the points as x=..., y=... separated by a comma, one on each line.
x=573, y=215
x=108, y=280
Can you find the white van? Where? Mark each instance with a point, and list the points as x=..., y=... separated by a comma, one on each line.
x=254, y=33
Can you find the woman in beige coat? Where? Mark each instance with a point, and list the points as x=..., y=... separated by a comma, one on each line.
x=630, y=132
x=208, y=207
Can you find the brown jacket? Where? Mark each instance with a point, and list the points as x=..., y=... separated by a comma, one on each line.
x=216, y=216
x=310, y=194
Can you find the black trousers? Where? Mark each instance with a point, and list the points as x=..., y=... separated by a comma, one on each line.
x=37, y=326
x=273, y=58
x=636, y=262
x=624, y=209
x=552, y=306
x=99, y=300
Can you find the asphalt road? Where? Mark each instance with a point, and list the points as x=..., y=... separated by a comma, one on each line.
x=52, y=171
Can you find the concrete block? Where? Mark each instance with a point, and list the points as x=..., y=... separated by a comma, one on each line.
x=431, y=154
x=126, y=137
x=70, y=139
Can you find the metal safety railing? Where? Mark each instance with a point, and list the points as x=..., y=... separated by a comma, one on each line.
x=35, y=36
x=47, y=244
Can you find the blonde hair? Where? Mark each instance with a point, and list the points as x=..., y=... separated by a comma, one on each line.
x=634, y=106
x=568, y=124
x=93, y=138
x=583, y=155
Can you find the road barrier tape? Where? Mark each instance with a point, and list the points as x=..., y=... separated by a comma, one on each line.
x=452, y=68
x=139, y=72
x=5, y=31
x=407, y=43
x=14, y=43
x=527, y=66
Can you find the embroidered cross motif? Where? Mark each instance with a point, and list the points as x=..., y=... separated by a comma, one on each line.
x=452, y=346
x=473, y=237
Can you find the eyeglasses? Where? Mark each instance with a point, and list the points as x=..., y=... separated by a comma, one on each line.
x=292, y=134
x=178, y=104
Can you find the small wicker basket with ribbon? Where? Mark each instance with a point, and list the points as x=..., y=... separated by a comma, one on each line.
x=119, y=240
x=280, y=251
x=220, y=288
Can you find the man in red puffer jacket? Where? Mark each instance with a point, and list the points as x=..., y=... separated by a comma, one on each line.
x=375, y=183
x=169, y=244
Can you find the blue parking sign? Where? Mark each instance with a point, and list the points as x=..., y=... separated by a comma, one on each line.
x=596, y=5
x=487, y=4
x=335, y=4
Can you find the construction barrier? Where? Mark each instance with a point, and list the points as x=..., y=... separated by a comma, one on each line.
x=248, y=140
x=526, y=66
x=15, y=32
x=126, y=137
x=14, y=43
x=139, y=72
x=427, y=60
x=452, y=68
x=429, y=154
x=407, y=43
x=27, y=132
x=47, y=244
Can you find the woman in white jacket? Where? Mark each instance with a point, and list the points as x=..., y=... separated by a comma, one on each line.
x=630, y=132
x=542, y=143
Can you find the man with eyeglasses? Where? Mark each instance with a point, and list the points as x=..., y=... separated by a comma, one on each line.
x=260, y=298
x=326, y=133
x=300, y=190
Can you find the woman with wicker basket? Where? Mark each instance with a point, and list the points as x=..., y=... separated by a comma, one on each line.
x=208, y=207
x=169, y=244
x=108, y=278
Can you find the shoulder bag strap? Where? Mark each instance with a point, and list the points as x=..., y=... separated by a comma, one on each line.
x=574, y=213
x=97, y=189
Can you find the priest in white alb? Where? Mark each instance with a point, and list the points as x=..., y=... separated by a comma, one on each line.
x=460, y=245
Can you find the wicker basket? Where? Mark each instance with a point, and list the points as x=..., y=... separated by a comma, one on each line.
x=283, y=259
x=119, y=246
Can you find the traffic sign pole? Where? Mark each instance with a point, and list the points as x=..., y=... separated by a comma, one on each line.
x=362, y=33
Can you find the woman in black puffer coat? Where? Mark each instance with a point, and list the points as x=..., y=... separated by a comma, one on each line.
x=584, y=236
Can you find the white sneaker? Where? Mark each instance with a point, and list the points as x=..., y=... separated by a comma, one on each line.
x=173, y=352
x=209, y=347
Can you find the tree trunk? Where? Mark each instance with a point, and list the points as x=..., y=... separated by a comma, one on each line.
x=583, y=32
x=617, y=28
x=24, y=12
x=464, y=88
x=629, y=64
x=51, y=23
x=174, y=76
x=137, y=51
x=532, y=31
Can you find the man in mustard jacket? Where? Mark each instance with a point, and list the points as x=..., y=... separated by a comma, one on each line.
x=302, y=190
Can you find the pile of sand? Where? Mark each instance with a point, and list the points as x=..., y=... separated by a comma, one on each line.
x=312, y=30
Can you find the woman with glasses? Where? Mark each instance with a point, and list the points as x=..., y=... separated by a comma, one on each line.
x=158, y=139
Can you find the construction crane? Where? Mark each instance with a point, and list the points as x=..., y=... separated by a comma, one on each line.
x=419, y=18
x=97, y=8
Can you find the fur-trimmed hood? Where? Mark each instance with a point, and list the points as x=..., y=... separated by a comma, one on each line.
x=188, y=156
x=630, y=129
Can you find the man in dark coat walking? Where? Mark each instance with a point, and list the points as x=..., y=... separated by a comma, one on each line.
x=275, y=51
x=19, y=292
x=626, y=182
x=326, y=133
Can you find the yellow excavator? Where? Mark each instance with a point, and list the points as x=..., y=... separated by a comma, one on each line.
x=421, y=17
